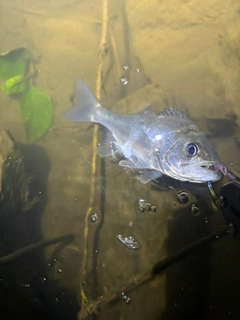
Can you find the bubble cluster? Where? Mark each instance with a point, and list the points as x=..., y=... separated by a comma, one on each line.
x=123, y=80
x=144, y=205
x=126, y=298
x=184, y=197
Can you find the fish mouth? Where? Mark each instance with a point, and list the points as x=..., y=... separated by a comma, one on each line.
x=209, y=167
x=200, y=173
x=212, y=173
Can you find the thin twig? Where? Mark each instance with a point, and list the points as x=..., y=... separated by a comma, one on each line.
x=102, y=54
x=25, y=250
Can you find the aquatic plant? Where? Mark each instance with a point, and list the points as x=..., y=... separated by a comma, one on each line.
x=36, y=104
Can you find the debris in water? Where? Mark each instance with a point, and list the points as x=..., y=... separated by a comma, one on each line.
x=130, y=243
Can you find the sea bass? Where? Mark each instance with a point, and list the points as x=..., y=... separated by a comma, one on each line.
x=166, y=143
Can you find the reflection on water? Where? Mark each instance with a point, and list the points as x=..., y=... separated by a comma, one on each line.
x=183, y=53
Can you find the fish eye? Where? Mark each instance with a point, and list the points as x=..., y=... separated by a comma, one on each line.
x=191, y=149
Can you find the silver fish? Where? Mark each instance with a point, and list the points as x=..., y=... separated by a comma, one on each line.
x=166, y=143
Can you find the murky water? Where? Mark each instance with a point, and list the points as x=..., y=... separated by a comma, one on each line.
x=184, y=53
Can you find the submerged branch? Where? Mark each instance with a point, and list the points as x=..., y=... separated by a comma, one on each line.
x=22, y=251
x=89, y=237
x=136, y=281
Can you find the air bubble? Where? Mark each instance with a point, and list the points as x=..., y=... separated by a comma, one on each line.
x=147, y=207
x=141, y=209
x=124, y=80
x=144, y=205
x=194, y=209
x=153, y=208
x=26, y=285
x=94, y=218
x=183, y=197
x=126, y=298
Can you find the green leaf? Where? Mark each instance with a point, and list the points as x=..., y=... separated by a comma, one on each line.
x=14, y=63
x=14, y=85
x=37, y=112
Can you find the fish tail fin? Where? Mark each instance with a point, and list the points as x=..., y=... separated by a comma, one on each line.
x=84, y=110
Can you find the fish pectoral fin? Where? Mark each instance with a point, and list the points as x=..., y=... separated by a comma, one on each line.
x=108, y=146
x=148, y=175
x=126, y=163
x=133, y=163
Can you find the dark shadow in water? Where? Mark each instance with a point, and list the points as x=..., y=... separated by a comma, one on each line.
x=188, y=280
x=37, y=167
x=222, y=127
x=26, y=291
x=201, y=286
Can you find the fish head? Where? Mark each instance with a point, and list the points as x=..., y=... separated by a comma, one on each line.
x=191, y=158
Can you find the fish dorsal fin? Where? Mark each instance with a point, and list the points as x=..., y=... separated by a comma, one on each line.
x=145, y=111
x=108, y=145
x=171, y=112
